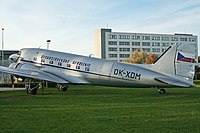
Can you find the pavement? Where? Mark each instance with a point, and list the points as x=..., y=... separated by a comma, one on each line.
x=10, y=89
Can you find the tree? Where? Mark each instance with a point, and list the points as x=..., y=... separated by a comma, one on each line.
x=151, y=59
x=137, y=57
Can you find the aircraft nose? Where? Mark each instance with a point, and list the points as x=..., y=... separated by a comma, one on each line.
x=13, y=58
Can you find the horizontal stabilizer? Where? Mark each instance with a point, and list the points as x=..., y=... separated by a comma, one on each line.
x=173, y=82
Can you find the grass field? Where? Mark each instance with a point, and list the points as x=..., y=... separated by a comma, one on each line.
x=101, y=109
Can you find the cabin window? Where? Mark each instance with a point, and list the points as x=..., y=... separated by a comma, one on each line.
x=68, y=65
x=42, y=60
x=78, y=67
x=50, y=62
x=87, y=69
x=59, y=63
x=35, y=59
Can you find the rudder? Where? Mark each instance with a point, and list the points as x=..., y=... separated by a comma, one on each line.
x=178, y=60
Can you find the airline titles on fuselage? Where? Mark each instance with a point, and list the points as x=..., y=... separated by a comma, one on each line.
x=79, y=63
x=118, y=72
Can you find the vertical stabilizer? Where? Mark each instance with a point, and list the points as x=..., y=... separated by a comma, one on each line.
x=166, y=62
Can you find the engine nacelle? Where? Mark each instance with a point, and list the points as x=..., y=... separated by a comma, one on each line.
x=23, y=66
x=13, y=57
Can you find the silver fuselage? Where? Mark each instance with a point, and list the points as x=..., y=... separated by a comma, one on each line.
x=92, y=70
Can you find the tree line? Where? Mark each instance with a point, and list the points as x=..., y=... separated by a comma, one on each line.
x=142, y=57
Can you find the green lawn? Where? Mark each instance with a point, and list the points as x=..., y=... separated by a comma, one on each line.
x=101, y=109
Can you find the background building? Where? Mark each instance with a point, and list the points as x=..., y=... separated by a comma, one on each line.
x=119, y=45
x=6, y=54
x=5, y=62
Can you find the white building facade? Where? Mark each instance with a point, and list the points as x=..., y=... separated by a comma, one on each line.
x=119, y=46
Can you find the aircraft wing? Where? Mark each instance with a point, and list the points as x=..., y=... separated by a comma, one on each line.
x=173, y=81
x=67, y=76
x=40, y=75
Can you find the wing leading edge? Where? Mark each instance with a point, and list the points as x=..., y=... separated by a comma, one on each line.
x=40, y=75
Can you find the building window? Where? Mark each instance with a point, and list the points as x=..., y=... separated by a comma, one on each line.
x=112, y=42
x=136, y=43
x=183, y=39
x=155, y=38
x=124, y=43
x=112, y=49
x=146, y=49
x=124, y=37
x=192, y=39
x=174, y=38
x=155, y=49
x=136, y=37
x=133, y=49
x=124, y=55
x=124, y=49
x=164, y=38
x=164, y=49
x=112, y=55
x=164, y=44
x=173, y=43
x=112, y=36
x=145, y=43
x=145, y=37
x=155, y=44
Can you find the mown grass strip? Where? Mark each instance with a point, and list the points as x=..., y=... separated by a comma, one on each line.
x=101, y=109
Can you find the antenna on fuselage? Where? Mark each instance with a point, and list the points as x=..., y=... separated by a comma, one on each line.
x=90, y=55
x=48, y=41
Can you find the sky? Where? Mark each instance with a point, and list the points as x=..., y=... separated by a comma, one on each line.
x=70, y=24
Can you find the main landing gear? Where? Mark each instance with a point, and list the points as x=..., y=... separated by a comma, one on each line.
x=32, y=87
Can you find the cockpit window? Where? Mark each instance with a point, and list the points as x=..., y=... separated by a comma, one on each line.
x=19, y=53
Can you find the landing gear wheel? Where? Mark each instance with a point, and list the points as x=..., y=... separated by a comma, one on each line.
x=162, y=91
x=32, y=88
x=63, y=87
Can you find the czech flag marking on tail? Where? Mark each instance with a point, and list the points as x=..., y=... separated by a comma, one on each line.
x=181, y=57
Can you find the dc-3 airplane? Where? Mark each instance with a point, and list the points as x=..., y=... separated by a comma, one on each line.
x=175, y=67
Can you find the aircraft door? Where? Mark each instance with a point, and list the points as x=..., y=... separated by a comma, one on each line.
x=105, y=72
